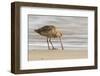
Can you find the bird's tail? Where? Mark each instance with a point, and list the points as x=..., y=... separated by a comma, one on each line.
x=37, y=31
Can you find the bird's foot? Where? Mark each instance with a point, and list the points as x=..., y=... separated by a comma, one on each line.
x=54, y=48
x=49, y=49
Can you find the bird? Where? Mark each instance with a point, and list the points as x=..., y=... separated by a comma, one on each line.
x=50, y=31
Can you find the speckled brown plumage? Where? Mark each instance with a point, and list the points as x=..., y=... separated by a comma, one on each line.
x=50, y=31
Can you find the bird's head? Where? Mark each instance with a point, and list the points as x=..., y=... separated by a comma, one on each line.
x=58, y=34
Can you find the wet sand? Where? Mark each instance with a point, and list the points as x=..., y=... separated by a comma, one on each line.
x=57, y=54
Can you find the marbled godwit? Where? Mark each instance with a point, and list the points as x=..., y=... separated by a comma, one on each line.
x=50, y=31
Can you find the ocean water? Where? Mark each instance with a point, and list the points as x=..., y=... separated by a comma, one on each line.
x=74, y=29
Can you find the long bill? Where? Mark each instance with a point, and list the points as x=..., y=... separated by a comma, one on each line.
x=61, y=43
x=48, y=44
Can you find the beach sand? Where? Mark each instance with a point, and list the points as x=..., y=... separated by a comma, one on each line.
x=57, y=54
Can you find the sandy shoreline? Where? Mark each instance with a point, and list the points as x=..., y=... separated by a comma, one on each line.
x=57, y=54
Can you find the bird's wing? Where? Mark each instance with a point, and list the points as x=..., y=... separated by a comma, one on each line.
x=45, y=29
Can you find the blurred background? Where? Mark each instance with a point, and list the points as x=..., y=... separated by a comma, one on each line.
x=74, y=29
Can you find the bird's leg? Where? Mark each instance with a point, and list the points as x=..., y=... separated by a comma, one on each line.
x=48, y=44
x=51, y=44
x=61, y=43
